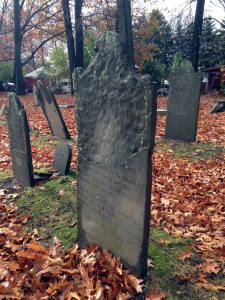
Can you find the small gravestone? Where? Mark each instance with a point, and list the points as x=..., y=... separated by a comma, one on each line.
x=19, y=142
x=36, y=101
x=51, y=110
x=116, y=116
x=183, y=103
x=62, y=158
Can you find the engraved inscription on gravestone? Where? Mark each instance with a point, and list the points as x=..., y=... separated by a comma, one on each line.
x=19, y=142
x=115, y=115
x=62, y=158
x=183, y=103
x=51, y=110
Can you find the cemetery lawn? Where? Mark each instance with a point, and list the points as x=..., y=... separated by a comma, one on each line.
x=186, y=247
x=52, y=207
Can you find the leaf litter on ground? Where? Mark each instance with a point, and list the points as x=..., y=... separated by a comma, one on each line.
x=187, y=197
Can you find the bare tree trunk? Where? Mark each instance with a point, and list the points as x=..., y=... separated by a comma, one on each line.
x=124, y=28
x=197, y=33
x=79, y=34
x=69, y=39
x=18, y=73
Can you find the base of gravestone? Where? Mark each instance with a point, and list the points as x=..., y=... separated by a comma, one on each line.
x=42, y=176
x=117, y=216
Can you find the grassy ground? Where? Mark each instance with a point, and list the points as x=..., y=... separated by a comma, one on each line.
x=54, y=214
x=175, y=276
x=193, y=151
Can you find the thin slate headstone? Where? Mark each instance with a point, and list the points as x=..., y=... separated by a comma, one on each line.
x=183, y=103
x=36, y=101
x=51, y=110
x=19, y=142
x=62, y=158
x=116, y=116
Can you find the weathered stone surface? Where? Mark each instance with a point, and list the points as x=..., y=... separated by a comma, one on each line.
x=115, y=116
x=183, y=103
x=36, y=101
x=62, y=158
x=218, y=106
x=52, y=112
x=19, y=142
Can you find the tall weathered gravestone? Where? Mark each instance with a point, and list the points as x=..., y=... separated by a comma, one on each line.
x=19, y=142
x=115, y=115
x=51, y=111
x=183, y=103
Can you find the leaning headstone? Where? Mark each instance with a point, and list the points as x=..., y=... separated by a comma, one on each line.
x=183, y=103
x=19, y=142
x=36, y=101
x=51, y=110
x=62, y=158
x=115, y=115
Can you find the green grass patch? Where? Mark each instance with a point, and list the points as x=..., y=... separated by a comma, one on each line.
x=168, y=269
x=40, y=139
x=193, y=151
x=50, y=213
x=5, y=174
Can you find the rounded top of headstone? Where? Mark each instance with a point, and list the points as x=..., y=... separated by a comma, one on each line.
x=108, y=43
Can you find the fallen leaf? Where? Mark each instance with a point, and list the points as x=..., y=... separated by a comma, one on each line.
x=62, y=193
x=155, y=296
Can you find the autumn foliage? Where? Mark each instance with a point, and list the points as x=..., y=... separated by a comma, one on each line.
x=187, y=201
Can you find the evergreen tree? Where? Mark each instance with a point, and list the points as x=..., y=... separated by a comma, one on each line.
x=208, y=56
x=221, y=44
x=163, y=39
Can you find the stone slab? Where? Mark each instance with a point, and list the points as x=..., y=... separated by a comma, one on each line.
x=113, y=208
x=183, y=103
x=51, y=111
x=62, y=158
x=19, y=142
x=115, y=117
